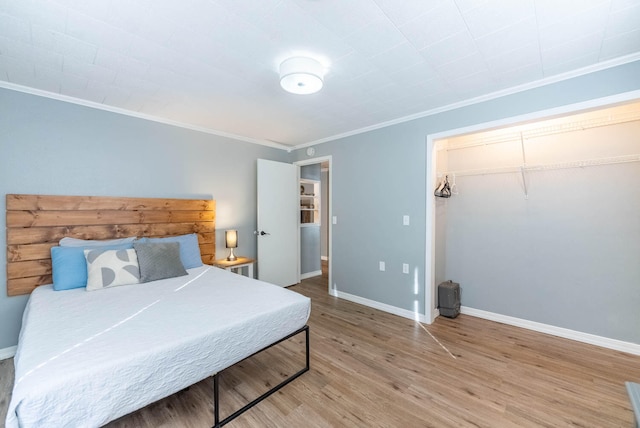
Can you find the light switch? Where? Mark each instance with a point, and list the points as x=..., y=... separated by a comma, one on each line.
x=405, y=267
x=405, y=220
x=382, y=267
x=334, y=220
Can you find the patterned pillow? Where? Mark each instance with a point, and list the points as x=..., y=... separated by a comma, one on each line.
x=108, y=268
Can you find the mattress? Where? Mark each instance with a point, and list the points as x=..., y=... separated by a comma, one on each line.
x=86, y=358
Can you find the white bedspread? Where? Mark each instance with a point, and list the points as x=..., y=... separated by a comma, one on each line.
x=85, y=358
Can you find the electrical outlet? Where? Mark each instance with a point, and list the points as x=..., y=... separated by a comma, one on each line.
x=382, y=267
x=405, y=267
x=405, y=220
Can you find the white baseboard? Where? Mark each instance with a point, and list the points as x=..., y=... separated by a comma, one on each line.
x=6, y=353
x=605, y=342
x=311, y=274
x=405, y=313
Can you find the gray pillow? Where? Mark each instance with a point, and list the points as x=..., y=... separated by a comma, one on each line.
x=159, y=260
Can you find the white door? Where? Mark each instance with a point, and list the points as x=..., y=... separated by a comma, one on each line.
x=277, y=234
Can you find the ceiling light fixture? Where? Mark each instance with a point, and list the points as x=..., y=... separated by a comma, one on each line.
x=301, y=75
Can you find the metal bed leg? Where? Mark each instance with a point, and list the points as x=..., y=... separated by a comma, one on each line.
x=216, y=394
x=216, y=401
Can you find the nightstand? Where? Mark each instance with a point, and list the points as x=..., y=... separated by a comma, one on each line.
x=237, y=265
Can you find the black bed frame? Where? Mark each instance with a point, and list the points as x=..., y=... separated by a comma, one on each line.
x=216, y=393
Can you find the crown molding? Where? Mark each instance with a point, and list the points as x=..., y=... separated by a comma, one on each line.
x=476, y=100
x=501, y=93
x=117, y=110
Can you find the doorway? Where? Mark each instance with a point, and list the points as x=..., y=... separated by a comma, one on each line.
x=314, y=220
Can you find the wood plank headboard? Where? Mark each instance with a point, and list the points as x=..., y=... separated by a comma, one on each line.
x=35, y=223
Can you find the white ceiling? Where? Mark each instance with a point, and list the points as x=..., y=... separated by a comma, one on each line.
x=213, y=64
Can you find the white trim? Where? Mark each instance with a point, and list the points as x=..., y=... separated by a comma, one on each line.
x=501, y=93
x=6, y=353
x=605, y=342
x=405, y=313
x=541, y=114
x=311, y=274
x=312, y=161
x=430, y=237
x=118, y=110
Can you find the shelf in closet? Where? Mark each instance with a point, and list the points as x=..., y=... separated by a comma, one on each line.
x=544, y=167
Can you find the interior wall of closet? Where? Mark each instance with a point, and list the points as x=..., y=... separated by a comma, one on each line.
x=543, y=221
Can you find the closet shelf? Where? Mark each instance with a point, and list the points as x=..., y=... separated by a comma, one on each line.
x=544, y=167
x=531, y=133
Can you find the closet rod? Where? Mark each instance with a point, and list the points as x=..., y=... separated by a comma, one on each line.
x=542, y=132
x=543, y=167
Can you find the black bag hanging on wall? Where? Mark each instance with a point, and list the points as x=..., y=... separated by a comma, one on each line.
x=444, y=189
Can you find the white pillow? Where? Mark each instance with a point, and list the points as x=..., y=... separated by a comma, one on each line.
x=108, y=268
x=73, y=242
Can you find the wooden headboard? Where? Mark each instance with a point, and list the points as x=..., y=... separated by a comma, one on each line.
x=35, y=223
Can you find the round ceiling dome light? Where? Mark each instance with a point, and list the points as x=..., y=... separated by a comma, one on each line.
x=301, y=75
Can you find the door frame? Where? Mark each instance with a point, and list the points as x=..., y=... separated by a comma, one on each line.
x=312, y=161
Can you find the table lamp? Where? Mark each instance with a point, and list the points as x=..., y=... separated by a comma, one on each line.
x=231, y=242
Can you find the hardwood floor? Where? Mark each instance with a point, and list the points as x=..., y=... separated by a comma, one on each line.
x=6, y=385
x=373, y=369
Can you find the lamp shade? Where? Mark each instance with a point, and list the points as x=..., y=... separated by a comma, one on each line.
x=301, y=75
x=231, y=238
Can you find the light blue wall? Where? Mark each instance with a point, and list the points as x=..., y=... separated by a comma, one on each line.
x=309, y=249
x=51, y=147
x=380, y=175
x=310, y=172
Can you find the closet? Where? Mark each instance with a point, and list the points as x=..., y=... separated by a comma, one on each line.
x=542, y=221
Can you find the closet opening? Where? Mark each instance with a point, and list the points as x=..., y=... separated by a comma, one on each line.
x=540, y=221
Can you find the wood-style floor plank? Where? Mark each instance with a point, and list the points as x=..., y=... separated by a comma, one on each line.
x=6, y=385
x=373, y=369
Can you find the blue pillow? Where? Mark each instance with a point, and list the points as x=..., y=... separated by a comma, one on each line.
x=70, y=266
x=189, y=248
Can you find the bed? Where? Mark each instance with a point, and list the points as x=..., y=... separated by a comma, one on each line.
x=85, y=358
